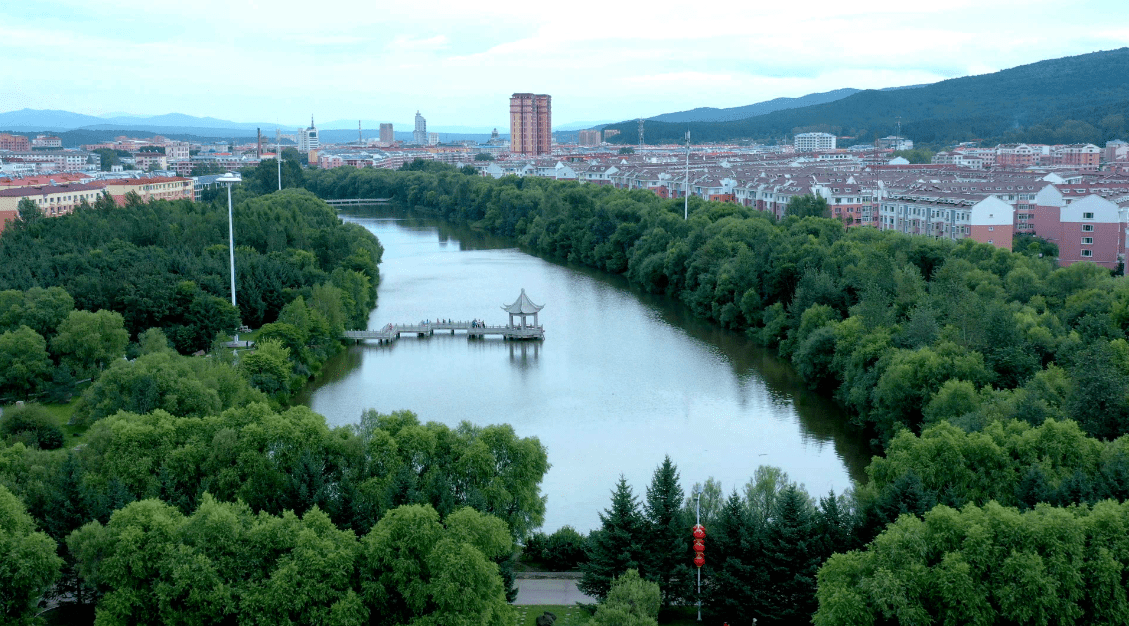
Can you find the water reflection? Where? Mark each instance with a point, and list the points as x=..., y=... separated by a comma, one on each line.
x=622, y=378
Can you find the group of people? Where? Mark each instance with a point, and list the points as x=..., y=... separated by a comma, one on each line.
x=477, y=324
x=473, y=323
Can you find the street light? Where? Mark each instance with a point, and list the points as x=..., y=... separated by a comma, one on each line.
x=697, y=493
x=230, y=179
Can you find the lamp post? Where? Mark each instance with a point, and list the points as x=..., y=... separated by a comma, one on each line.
x=686, y=185
x=230, y=179
x=699, y=534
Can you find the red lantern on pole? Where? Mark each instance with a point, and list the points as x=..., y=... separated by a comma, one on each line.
x=699, y=533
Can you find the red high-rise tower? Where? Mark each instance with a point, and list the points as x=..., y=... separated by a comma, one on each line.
x=531, y=124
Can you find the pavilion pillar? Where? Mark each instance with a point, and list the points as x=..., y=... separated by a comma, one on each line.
x=535, y=319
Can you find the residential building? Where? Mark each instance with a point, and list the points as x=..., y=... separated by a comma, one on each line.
x=531, y=124
x=894, y=142
x=386, y=134
x=590, y=138
x=14, y=142
x=811, y=142
x=433, y=139
x=419, y=135
x=45, y=141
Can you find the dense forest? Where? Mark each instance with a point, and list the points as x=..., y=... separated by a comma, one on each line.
x=1036, y=103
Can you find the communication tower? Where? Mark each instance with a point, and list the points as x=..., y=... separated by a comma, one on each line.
x=640, y=131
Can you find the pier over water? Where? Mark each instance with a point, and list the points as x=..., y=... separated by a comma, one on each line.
x=519, y=311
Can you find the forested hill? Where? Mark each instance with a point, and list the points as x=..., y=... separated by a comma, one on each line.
x=1070, y=100
x=711, y=114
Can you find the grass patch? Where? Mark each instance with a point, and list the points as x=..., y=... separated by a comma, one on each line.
x=566, y=615
x=62, y=413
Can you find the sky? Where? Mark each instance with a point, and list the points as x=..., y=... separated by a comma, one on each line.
x=278, y=61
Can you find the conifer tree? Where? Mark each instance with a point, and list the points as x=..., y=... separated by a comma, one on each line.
x=734, y=568
x=667, y=544
x=616, y=546
x=791, y=559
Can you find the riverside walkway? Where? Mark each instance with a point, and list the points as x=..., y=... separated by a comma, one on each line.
x=357, y=201
x=392, y=332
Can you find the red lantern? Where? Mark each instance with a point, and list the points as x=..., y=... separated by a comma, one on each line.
x=699, y=545
x=699, y=531
x=699, y=559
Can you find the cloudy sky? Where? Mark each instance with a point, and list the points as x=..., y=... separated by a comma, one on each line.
x=279, y=60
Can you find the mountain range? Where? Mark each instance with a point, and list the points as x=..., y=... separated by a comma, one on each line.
x=1077, y=99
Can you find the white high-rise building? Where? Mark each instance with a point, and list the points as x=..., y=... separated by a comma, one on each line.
x=308, y=137
x=419, y=136
x=810, y=142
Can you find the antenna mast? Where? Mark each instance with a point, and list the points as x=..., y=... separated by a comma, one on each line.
x=360, y=138
x=640, y=132
x=686, y=188
x=278, y=154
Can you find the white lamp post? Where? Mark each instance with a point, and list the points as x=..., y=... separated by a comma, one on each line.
x=230, y=179
x=697, y=496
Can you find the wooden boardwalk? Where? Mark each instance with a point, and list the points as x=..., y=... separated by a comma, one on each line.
x=392, y=332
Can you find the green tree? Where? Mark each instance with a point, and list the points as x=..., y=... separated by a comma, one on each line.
x=627, y=150
x=615, y=547
x=28, y=211
x=30, y=564
x=666, y=546
x=416, y=569
x=24, y=363
x=88, y=341
x=268, y=368
x=483, y=156
x=792, y=557
x=33, y=425
x=808, y=205
x=631, y=601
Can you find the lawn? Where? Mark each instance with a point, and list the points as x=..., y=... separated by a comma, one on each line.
x=62, y=414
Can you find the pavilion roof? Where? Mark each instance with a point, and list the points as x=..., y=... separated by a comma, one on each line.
x=523, y=305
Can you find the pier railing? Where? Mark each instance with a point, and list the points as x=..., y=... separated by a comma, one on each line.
x=392, y=332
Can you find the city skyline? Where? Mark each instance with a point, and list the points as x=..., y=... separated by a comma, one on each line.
x=462, y=63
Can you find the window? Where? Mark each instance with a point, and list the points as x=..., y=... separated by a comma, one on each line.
x=1087, y=228
x=991, y=228
x=1087, y=252
x=1087, y=216
x=1087, y=241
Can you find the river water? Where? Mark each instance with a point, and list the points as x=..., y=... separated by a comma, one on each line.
x=622, y=378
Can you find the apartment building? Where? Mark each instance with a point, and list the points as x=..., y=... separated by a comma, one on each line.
x=812, y=142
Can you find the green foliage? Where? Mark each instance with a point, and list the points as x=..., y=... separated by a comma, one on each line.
x=483, y=156
x=917, y=155
x=164, y=264
x=987, y=565
x=666, y=556
x=808, y=206
x=162, y=379
x=627, y=150
x=29, y=563
x=631, y=601
x=28, y=211
x=24, y=363
x=419, y=570
x=221, y=563
x=616, y=546
x=88, y=342
x=33, y=425
x=268, y=368
x=559, y=552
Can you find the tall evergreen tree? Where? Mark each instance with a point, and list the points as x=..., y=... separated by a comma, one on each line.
x=734, y=566
x=791, y=559
x=667, y=543
x=616, y=546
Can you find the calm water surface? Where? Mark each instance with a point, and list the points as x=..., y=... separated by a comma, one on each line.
x=622, y=378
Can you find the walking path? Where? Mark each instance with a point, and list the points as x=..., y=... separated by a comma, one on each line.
x=560, y=589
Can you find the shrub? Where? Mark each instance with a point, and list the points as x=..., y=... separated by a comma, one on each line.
x=31, y=424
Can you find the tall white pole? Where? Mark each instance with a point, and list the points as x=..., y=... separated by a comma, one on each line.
x=698, y=505
x=278, y=155
x=231, y=248
x=686, y=185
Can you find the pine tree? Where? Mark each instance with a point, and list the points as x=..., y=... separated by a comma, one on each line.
x=734, y=568
x=791, y=559
x=616, y=546
x=668, y=543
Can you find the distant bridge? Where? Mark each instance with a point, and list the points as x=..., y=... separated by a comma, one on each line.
x=357, y=201
x=392, y=332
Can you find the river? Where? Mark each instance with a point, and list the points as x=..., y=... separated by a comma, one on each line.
x=622, y=378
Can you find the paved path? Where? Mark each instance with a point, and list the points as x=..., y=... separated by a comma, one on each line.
x=549, y=591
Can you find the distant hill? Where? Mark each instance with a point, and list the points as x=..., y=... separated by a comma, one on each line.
x=1083, y=98
x=710, y=114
